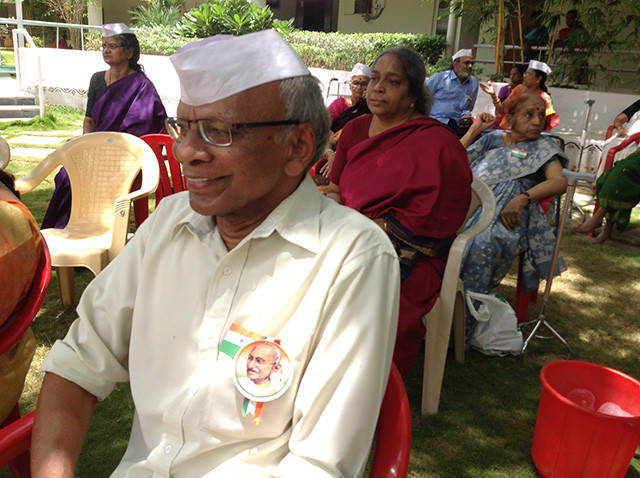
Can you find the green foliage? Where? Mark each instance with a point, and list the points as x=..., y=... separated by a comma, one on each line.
x=283, y=27
x=159, y=40
x=158, y=13
x=609, y=30
x=339, y=51
x=231, y=17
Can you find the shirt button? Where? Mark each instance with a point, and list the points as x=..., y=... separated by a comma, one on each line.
x=167, y=449
x=227, y=271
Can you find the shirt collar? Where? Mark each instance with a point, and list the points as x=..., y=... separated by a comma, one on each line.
x=296, y=219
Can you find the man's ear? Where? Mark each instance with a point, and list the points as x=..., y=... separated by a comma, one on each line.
x=302, y=142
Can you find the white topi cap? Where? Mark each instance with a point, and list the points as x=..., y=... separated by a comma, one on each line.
x=361, y=69
x=538, y=65
x=462, y=52
x=221, y=66
x=111, y=29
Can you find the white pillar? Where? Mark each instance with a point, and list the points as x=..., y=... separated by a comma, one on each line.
x=94, y=12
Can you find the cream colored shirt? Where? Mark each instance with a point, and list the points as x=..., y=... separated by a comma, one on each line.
x=319, y=277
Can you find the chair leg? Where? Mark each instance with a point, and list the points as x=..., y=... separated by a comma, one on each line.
x=435, y=355
x=65, y=285
x=459, y=328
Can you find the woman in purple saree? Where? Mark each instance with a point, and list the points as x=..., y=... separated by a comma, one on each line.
x=120, y=99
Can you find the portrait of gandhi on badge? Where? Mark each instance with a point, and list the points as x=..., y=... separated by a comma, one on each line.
x=262, y=369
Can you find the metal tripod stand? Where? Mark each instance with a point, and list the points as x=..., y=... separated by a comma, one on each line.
x=541, y=321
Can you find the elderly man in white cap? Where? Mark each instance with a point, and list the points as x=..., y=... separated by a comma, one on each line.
x=454, y=93
x=251, y=252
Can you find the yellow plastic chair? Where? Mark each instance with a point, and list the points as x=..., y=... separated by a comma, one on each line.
x=449, y=307
x=101, y=168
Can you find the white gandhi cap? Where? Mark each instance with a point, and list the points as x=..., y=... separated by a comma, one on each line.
x=111, y=29
x=361, y=69
x=461, y=53
x=221, y=66
x=538, y=65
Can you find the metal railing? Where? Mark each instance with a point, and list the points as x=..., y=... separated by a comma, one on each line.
x=22, y=34
x=56, y=25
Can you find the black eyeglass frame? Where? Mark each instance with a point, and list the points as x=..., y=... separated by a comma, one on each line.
x=232, y=126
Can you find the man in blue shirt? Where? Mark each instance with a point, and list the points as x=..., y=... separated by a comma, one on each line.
x=454, y=92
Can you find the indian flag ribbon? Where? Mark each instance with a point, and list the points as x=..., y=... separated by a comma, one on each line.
x=518, y=153
x=252, y=407
x=236, y=338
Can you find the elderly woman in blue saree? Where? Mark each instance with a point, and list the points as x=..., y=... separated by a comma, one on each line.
x=521, y=167
x=120, y=99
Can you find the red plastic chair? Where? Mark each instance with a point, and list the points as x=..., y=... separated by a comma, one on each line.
x=18, y=459
x=393, y=444
x=171, y=179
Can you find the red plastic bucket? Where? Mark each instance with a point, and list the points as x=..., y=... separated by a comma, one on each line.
x=571, y=441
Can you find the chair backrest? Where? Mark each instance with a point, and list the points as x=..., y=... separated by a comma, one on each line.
x=634, y=138
x=393, y=442
x=21, y=319
x=5, y=153
x=171, y=179
x=481, y=196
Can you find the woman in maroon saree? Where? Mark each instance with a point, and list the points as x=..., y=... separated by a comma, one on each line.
x=120, y=99
x=410, y=174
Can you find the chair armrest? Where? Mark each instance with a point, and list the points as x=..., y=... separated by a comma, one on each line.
x=15, y=439
x=38, y=174
x=634, y=138
x=122, y=206
x=609, y=132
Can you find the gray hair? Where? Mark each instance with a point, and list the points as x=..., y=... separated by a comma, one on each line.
x=302, y=100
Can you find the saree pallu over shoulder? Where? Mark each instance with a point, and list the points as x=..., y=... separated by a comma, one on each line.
x=512, y=162
x=129, y=105
x=409, y=173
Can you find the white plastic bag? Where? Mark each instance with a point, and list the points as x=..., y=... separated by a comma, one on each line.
x=497, y=331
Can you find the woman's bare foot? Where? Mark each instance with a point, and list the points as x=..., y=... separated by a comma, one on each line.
x=594, y=222
x=605, y=234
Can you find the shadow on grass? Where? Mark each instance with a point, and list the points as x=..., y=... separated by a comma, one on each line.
x=488, y=407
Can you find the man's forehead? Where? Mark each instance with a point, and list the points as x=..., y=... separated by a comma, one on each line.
x=245, y=104
x=466, y=59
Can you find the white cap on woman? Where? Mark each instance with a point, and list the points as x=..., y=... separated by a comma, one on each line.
x=361, y=69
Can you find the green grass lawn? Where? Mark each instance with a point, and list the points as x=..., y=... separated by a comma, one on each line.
x=484, y=428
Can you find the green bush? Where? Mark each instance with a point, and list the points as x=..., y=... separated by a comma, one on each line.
x=159, y=40
x=154, y=40
x=157, y=13
x=340, y=51
x=232, y=17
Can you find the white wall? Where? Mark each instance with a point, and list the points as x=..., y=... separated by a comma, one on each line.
x=402, y=16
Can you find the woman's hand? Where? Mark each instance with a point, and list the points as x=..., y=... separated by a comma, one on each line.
x=326, y=167
x=488, y=88
x=510, y=215
x=621, y=131
x=482, y=122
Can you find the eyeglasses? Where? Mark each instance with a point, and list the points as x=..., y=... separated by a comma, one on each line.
x=213, y=131
x=357, y=84
x=110, y=46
